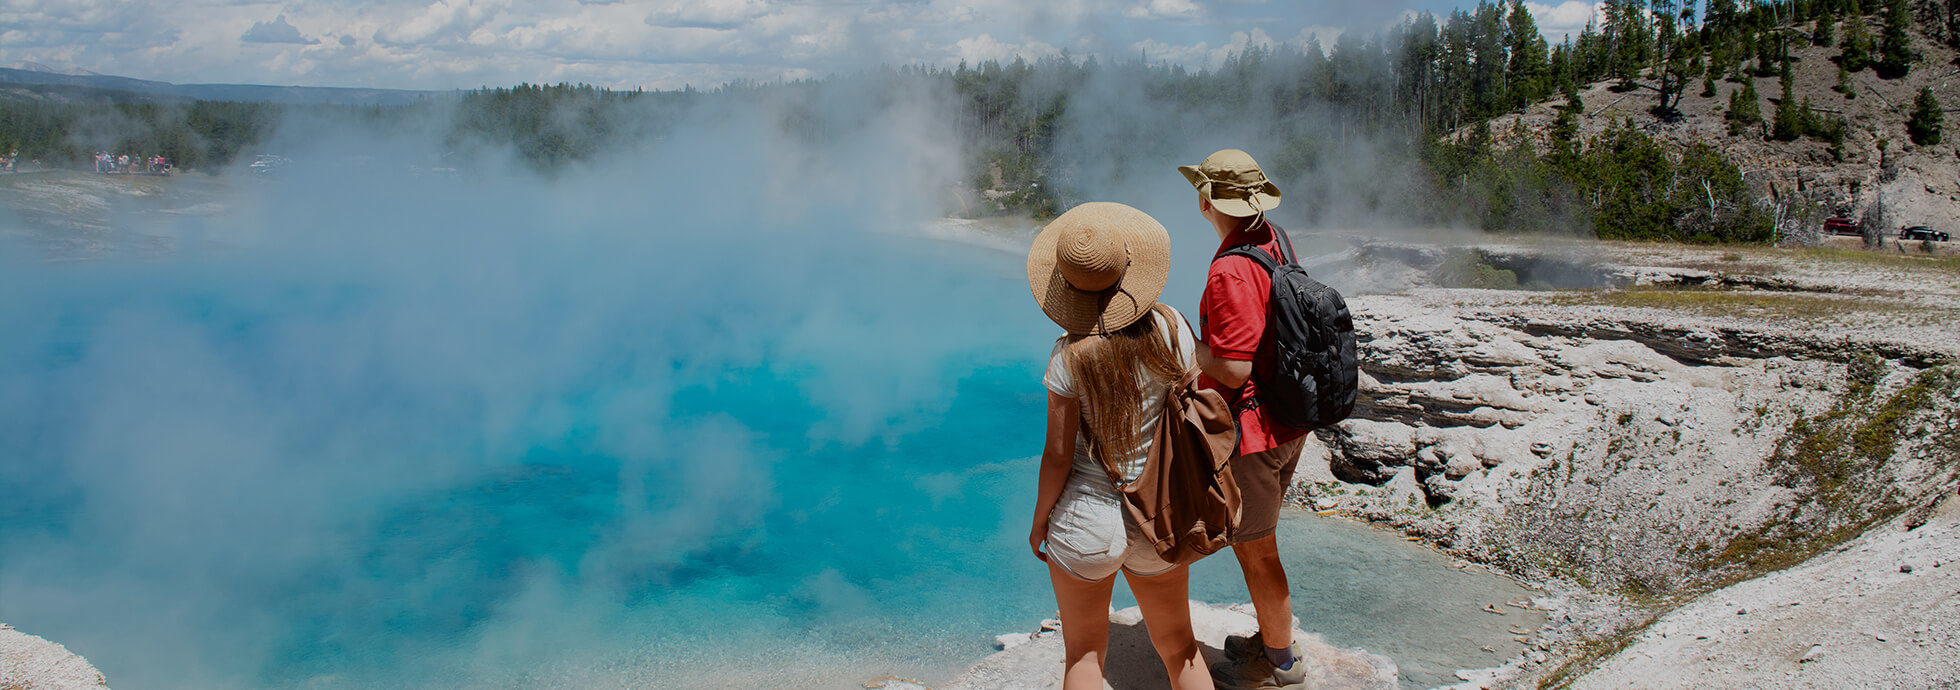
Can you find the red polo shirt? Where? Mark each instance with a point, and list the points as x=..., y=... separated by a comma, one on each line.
x=1232, y=322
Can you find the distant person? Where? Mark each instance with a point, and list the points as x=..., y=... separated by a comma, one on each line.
x=1097, y=271
x=1233, y=352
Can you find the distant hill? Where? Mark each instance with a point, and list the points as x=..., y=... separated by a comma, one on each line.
x=1875, y=163
x=36, y=81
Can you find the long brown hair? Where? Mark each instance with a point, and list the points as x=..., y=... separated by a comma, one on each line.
x=1106, y=369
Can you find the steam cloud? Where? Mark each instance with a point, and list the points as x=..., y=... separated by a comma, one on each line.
x=324, y=417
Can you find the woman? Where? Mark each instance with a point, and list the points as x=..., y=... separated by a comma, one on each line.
x=1097, y=271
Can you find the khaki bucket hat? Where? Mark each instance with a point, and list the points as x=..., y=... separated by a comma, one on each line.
x=1234, y=183
x=1099, y=267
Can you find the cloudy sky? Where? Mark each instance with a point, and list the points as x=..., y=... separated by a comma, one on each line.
x=651, y=43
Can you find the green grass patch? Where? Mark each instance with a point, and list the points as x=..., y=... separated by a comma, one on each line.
x=1592, y=653
x=1467, y=269
x=1835, y=461
x=1879, y=258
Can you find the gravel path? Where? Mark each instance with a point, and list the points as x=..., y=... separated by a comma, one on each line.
x=1883, y=611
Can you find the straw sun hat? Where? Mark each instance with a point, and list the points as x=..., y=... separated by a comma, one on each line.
x=1234, y=183
x=1099, y=267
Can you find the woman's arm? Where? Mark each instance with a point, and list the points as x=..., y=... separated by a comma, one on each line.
x=1057, y=456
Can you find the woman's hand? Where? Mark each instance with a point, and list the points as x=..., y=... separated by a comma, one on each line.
x=1036, y=536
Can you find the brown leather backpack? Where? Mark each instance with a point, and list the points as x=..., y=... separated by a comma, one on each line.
x=1186, y=501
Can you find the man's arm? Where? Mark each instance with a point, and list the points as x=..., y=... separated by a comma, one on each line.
x=1231, y=373
x=1232, y=314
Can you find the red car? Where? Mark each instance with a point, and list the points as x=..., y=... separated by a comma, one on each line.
x=1842, y=226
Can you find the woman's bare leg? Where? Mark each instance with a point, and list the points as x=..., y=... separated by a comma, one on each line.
x=1166, y=604
x=1085, y=627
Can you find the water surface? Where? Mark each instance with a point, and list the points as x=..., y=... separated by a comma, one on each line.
x=391, y=432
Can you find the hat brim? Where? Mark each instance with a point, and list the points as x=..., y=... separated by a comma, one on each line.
x=1267, y=197
x=1081, y=312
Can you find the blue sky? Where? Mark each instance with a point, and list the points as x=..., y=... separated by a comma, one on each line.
x=651, y=43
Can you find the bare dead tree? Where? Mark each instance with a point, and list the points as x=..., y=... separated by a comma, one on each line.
x=1873, y=224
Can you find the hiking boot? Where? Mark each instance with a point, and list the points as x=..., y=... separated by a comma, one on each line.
x=1240, y=647
x=1255, y=671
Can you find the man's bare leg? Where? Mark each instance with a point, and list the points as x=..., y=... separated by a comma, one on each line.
x=1265, y=580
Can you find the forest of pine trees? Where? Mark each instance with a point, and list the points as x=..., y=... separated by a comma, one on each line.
x=1426, y=88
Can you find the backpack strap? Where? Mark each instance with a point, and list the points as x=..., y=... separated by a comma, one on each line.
x=1260, y=256
x=1285, y=245
x=1266, y=261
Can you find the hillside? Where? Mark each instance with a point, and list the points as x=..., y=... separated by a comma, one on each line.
x=1804, y=179
x=43, y=84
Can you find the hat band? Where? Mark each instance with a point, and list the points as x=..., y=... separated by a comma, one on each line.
x=1246, y=191
x=1246, y=188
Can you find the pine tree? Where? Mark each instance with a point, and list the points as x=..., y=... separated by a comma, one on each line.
x=1895, y=54
x=1788, y=125
x=1744, y=109
x=1856, y=48
x=1673, y=55
x=1721, y=29
x=1844, y=83
x=1951, y=10
x=1767, y=54
x=1825, y=33
x=1927, y=119
x=1528, y=75
x=1630, y=40
x=1708, y=87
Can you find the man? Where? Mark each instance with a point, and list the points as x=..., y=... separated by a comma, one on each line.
x=1234, y=354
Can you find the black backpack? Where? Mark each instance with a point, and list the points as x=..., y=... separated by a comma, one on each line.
x=1314, y=377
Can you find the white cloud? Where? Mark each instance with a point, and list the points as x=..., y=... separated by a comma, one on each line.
x=1155, y=51
x=275, y=31
x=1238, y=43
x=626, y=43
x=985, y=47
x=443, y=21
x=1162, y=9
x=709, y=14
x=1326, y=35
x=1566, y=18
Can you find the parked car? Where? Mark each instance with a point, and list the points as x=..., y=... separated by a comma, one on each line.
x=1842, y=226
x=1921, y=232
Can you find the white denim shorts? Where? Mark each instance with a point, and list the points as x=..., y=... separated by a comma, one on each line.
x=1090, y=536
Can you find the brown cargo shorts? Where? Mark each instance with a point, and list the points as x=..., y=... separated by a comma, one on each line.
x=1263, y=478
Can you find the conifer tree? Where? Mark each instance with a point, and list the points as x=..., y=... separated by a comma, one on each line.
x=1825, y=34
x=1630, y=39
x=1720, y=29
x=1844, y=83
x=1951, y=12
x=1788, y=125
x=1673, y=71
x=1528, y=73
x=1565, y=129
x=1895, y=54
x=1927, y=120
x=1855, y=50
x=1744, y=110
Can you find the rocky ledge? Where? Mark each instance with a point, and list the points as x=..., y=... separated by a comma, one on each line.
x=1034, y=660
x=1707, y=419
x=29, y=662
